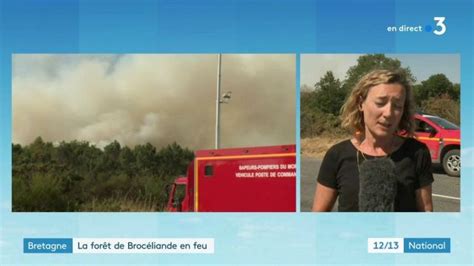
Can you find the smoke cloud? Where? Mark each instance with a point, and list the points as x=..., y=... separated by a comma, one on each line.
x=142, y=98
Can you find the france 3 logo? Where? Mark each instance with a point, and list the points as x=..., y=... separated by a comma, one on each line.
x=439, y=29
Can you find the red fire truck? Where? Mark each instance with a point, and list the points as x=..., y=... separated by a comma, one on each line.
x=443, y=140
x=255, y=179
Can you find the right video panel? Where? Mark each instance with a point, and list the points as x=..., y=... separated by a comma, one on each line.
x=380, y=132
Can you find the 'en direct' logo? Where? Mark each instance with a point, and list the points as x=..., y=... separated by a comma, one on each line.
x=439, y=29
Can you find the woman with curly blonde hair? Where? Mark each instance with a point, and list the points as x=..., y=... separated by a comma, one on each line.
x=378, y=111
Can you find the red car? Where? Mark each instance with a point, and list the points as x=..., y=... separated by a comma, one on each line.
x=443, y=140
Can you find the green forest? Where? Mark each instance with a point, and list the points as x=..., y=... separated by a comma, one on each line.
x=77, y=176
x=321, y=104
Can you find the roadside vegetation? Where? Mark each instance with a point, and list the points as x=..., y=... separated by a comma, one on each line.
x=77, y=176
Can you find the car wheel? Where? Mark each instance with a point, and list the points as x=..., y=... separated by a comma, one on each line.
x=452, y=162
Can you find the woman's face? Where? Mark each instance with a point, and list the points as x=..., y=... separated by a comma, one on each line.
x=383, y=109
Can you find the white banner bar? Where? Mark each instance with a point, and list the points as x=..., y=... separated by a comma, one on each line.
x=143, y=245
x=385, y=245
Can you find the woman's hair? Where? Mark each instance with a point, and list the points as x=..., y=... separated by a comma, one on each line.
x=352, y=117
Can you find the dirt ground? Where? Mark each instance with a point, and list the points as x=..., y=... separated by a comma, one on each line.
x=316, y=147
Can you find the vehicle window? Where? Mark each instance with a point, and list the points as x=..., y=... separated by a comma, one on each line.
x=179, y=196
x=422, y=126
x=208, y=170
x=443, y=122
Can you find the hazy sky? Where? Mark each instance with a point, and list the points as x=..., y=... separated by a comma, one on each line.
x=153, y=98
x=314, y=66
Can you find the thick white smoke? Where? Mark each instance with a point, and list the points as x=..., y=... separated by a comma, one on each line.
x=159, y=99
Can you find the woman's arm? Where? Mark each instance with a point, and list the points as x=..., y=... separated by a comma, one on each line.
x=324, y=198
x=424, y=201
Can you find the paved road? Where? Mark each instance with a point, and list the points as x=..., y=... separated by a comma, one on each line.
x=445, y=188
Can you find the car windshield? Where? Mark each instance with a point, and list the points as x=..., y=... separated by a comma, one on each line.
x=443, y=122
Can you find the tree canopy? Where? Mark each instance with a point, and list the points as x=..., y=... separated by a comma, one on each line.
x=367, y=63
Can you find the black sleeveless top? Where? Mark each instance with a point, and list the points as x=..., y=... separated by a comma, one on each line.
x=413, y=169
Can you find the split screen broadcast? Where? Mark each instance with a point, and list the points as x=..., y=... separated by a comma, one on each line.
x=222, y=133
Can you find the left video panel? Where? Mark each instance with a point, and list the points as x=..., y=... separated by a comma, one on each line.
x=153, y=132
